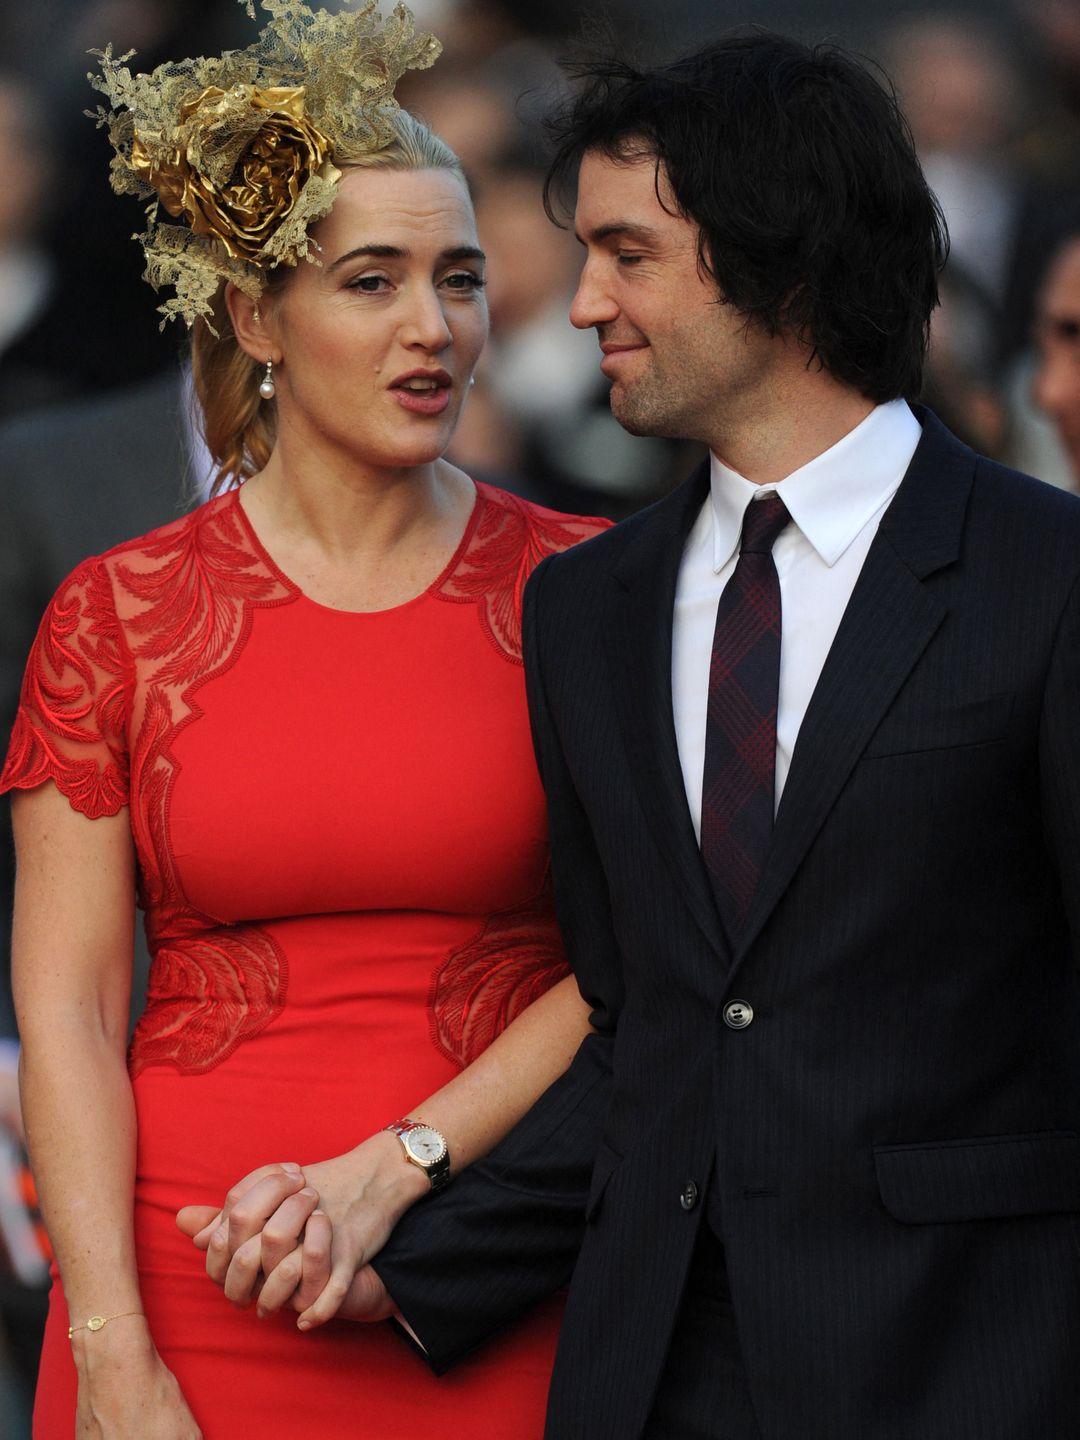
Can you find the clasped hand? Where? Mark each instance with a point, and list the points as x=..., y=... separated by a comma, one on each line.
x=303, y=1236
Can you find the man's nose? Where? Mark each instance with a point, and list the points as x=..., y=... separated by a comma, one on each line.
x=592, y=304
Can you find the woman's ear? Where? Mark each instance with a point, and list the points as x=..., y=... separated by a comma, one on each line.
x=252, y=333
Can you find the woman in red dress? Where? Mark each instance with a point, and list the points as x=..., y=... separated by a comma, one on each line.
x=295, y=721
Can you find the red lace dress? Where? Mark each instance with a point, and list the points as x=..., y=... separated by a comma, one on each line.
x=343, y=864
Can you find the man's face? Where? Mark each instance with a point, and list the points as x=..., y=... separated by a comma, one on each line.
x=679, y=359
x=1056, y=387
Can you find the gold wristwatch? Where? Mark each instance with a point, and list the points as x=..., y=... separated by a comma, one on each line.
x=425, y=1147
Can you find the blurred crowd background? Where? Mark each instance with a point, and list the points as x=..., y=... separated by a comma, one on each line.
x=97, y=438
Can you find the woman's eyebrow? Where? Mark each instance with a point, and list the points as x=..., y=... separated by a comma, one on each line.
x=396, y=252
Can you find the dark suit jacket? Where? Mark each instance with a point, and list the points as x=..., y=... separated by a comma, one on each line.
x=890, y=1149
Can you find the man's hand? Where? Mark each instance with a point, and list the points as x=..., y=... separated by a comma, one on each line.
x=366, y=1299
x=304, y=1237
x=269, y=1222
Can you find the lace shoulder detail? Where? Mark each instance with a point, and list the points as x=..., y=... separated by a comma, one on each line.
x=508, y=538
x=71, y=725
x=186, y=589
x=515, y=957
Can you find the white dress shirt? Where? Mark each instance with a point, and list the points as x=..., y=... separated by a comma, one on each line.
x=836, y=503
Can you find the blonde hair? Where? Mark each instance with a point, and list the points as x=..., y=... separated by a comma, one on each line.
x=238, y=427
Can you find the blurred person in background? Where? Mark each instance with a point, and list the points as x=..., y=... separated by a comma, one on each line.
x=1056, y=381
x=95, y=331
x=1046, y=35
x=965, y=102
x=964, y=99
x=989, y=139
x=27, y=275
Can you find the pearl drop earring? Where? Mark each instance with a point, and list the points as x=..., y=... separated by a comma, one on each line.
x=268, y=389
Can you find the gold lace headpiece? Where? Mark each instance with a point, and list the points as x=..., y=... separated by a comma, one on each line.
x=240, y=150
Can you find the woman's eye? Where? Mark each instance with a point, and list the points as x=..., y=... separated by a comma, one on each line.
x=464, y=280
x=368, y=284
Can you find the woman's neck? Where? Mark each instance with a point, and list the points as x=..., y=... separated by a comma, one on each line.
x=358, y=538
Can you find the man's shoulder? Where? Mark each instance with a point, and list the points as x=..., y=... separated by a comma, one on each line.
x=1035, y=527
x=1000, y=484
x=957, y=504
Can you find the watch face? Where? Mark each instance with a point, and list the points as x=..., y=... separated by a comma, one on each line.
x=425, y=1145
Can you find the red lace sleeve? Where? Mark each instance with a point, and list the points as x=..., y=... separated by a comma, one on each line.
x=507, y=540
x=71, y=724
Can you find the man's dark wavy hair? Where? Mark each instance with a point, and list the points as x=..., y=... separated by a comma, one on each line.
x=799, y=169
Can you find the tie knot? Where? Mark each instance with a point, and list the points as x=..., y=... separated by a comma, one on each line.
x=762, y=523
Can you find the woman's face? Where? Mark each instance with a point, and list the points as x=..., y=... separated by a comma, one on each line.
x=378, y=343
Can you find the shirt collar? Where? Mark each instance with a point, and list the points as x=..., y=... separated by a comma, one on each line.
x=832, y=497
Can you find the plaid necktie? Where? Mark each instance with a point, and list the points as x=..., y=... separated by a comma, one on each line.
x=738, y=795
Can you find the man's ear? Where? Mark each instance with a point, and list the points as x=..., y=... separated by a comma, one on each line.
x=249, y=322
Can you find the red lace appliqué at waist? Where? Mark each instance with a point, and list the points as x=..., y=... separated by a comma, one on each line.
x=208, y=993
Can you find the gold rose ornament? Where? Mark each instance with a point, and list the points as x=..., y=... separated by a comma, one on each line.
x=240, y=150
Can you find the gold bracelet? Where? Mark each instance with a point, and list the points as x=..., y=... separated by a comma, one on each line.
x=98, y=1322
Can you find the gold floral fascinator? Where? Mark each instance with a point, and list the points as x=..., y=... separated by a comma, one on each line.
x=239, y=150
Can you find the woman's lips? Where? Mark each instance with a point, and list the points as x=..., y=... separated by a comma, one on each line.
x=423, y=402
x=423, y=392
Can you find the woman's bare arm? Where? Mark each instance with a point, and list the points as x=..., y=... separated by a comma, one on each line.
x=270, y=1222
x=71, y=971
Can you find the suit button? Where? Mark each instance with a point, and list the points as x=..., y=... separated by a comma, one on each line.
x=738, y=1014
x=688, y=1197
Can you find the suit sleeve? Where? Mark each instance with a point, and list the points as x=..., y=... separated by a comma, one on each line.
x=463, y=1264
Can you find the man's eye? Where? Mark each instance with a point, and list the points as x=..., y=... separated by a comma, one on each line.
x=629, y=259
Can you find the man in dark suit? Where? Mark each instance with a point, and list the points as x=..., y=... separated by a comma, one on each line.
x=1055, y=386
x=815, y=821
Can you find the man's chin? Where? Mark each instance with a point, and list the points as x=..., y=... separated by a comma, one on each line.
x=638, y=419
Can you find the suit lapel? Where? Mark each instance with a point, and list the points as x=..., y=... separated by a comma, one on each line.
x=890, y=619
x=643, y=592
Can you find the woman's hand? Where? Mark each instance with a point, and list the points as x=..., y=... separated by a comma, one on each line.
x=278, y=1236
x=362, y=1195
x=125, y=1390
